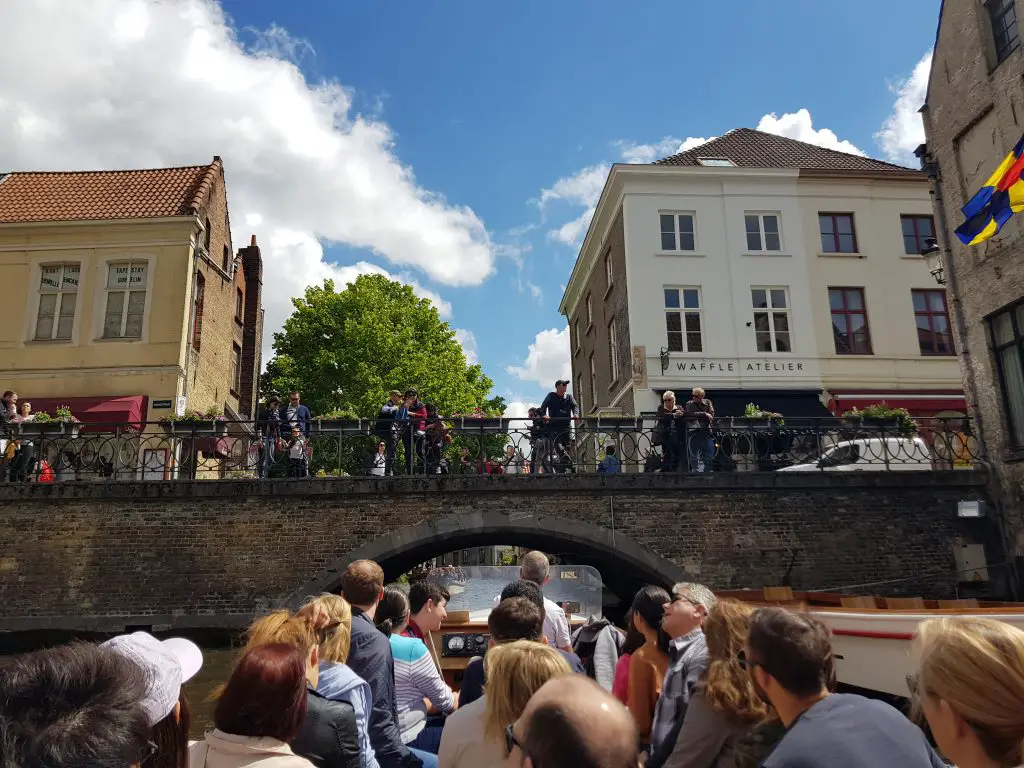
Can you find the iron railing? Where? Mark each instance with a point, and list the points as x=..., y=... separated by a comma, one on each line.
x=234, y=449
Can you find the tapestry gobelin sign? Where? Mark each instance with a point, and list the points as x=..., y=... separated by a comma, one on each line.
x=640, y=367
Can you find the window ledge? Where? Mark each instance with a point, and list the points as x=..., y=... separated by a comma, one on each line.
x=844, y=255
x=129, y=339
x=912, y=257
x=608, y=291
x=590, y=327
x=769, y=254
x=680, y=254
x=46, y=342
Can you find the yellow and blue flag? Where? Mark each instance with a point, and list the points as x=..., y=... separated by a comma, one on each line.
x=994, y=204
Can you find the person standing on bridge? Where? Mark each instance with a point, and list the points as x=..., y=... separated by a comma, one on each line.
x=535, y=567
x=557, y=410
x=370, y=657
x=295, y=414
x=387, y=429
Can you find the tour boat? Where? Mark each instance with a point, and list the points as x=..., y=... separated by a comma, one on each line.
x=872, y=635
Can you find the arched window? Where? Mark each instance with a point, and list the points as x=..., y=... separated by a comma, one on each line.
x=197, y=312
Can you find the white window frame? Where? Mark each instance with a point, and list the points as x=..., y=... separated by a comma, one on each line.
x=771, y=311
x=579, y=391
x=683, y=312
x=608, y=269
x=593, y=381
x=236, y=369
x=761, y=234
x=614, y=348
x=61, y=293
x=677, y=232
x=576, y=328
x=127, y=291
x=590, y=312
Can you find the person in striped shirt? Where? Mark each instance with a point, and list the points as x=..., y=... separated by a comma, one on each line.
x=417, y=678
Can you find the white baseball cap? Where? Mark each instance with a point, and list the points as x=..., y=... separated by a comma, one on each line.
x=168, y=664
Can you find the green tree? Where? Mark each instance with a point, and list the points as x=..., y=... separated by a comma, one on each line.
x=344, y=351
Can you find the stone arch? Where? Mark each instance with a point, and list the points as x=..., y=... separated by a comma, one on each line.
x=403, y=548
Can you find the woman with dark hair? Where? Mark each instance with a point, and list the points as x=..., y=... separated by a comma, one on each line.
x=634, y=640
x=260, y=710
x=416, y=676
x=649, y=663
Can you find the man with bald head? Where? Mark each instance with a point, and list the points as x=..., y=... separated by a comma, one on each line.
x=535, y=567
x=572, y=722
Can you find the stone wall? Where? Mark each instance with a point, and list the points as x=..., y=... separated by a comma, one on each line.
x=104, y=556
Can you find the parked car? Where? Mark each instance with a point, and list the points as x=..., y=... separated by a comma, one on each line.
x=873, y=454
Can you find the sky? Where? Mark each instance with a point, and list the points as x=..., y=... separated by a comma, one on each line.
x=457, y=146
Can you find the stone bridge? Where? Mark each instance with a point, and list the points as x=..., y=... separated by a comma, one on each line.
x=103, y=556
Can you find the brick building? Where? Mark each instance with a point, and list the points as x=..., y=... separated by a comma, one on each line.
x=973, y=116
x=124, y=296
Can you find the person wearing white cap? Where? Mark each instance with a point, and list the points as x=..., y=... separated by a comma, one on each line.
x=168, y=665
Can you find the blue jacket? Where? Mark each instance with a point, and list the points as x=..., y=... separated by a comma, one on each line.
x=302, y=416
x=370, y=658
x=339, y=683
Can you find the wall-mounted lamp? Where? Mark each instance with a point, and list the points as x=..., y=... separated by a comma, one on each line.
x=664, y=359
x=933, y=256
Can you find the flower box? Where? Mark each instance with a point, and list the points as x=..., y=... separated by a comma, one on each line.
x=49, y=429
x=341, y=427
x=212, y=428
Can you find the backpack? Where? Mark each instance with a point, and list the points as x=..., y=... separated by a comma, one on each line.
x=585, y=642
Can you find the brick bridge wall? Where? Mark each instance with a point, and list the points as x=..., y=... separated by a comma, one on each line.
x=205, y=553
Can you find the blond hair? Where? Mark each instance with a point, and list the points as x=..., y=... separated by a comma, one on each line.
x=698, y=392
x=726, y=684
x=515, y=672
x=977, y=667
x=668, y=394
x=334, y=646
x=281, y=627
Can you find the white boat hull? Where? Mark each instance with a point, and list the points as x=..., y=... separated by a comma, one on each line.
x=873, y=649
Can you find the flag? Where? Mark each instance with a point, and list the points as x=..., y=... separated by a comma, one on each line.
x=994, y=204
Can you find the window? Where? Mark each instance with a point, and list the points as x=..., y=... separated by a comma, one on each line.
x=225, y=261
x=126, y=300
x=1003, y=16
x=849, y=321
x=576, y=333
x=613, y=347
x=197, y=312
x=206, y=238
x=579, y=392
x=590, y=312
x=608, y=267
x=916, y=229
x=763, y=232
x=683, y=320
x=239, y=304
x=677, y=232
x=1007, y=329
x=593, y=382
x=716, y=161
x=932, y=316
x=58, y=297
x=837, y=235
x=771, y=319
x=236, y=368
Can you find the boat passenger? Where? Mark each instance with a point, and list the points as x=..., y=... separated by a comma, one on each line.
x=727, y=725
x=650, y=662
x=790, y=660
x=417, y=678
x=688, y=654
x=428, y=603
x=475, y=735
x=634, y=639
x=969, y=685
x=537, y=568
x=571, y=721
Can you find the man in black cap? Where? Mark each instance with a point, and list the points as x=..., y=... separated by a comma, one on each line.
x=556, y=410
x=387, y=429
x=414, y=415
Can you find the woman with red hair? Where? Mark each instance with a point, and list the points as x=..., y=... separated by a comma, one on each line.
x=260, y=710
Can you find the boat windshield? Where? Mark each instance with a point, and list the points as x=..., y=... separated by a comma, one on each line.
x=474, y=588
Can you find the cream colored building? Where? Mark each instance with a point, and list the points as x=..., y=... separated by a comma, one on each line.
x=764, y=270
x=123, y=295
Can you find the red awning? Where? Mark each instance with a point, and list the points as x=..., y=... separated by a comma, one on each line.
x=919, y=403
x=97, y=414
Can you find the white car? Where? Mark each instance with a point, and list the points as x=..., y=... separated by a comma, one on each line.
x=873, y=454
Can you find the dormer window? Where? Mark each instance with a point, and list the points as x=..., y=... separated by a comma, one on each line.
x=723, y=162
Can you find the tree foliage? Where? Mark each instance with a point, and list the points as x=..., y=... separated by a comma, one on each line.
x=344, y=351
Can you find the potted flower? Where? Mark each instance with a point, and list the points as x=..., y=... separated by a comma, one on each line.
x=757, y=418
x=881, y=416
x=340, y=422
x=206, y=423
x=63, y=423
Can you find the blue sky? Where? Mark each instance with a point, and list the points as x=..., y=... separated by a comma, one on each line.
x=467, y=111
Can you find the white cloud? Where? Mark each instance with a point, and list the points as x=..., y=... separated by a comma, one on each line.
x=518, y=409
x=547, y=359
x=632, y=152
x=144, y=83
x=572, y=232
x=798, y=125
x=903, y=131
x=468, y=342
x=535, y=291
x=583, y=188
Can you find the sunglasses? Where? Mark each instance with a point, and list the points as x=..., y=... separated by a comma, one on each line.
x=511, y=741
x=676, y=597
x=747, y=663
